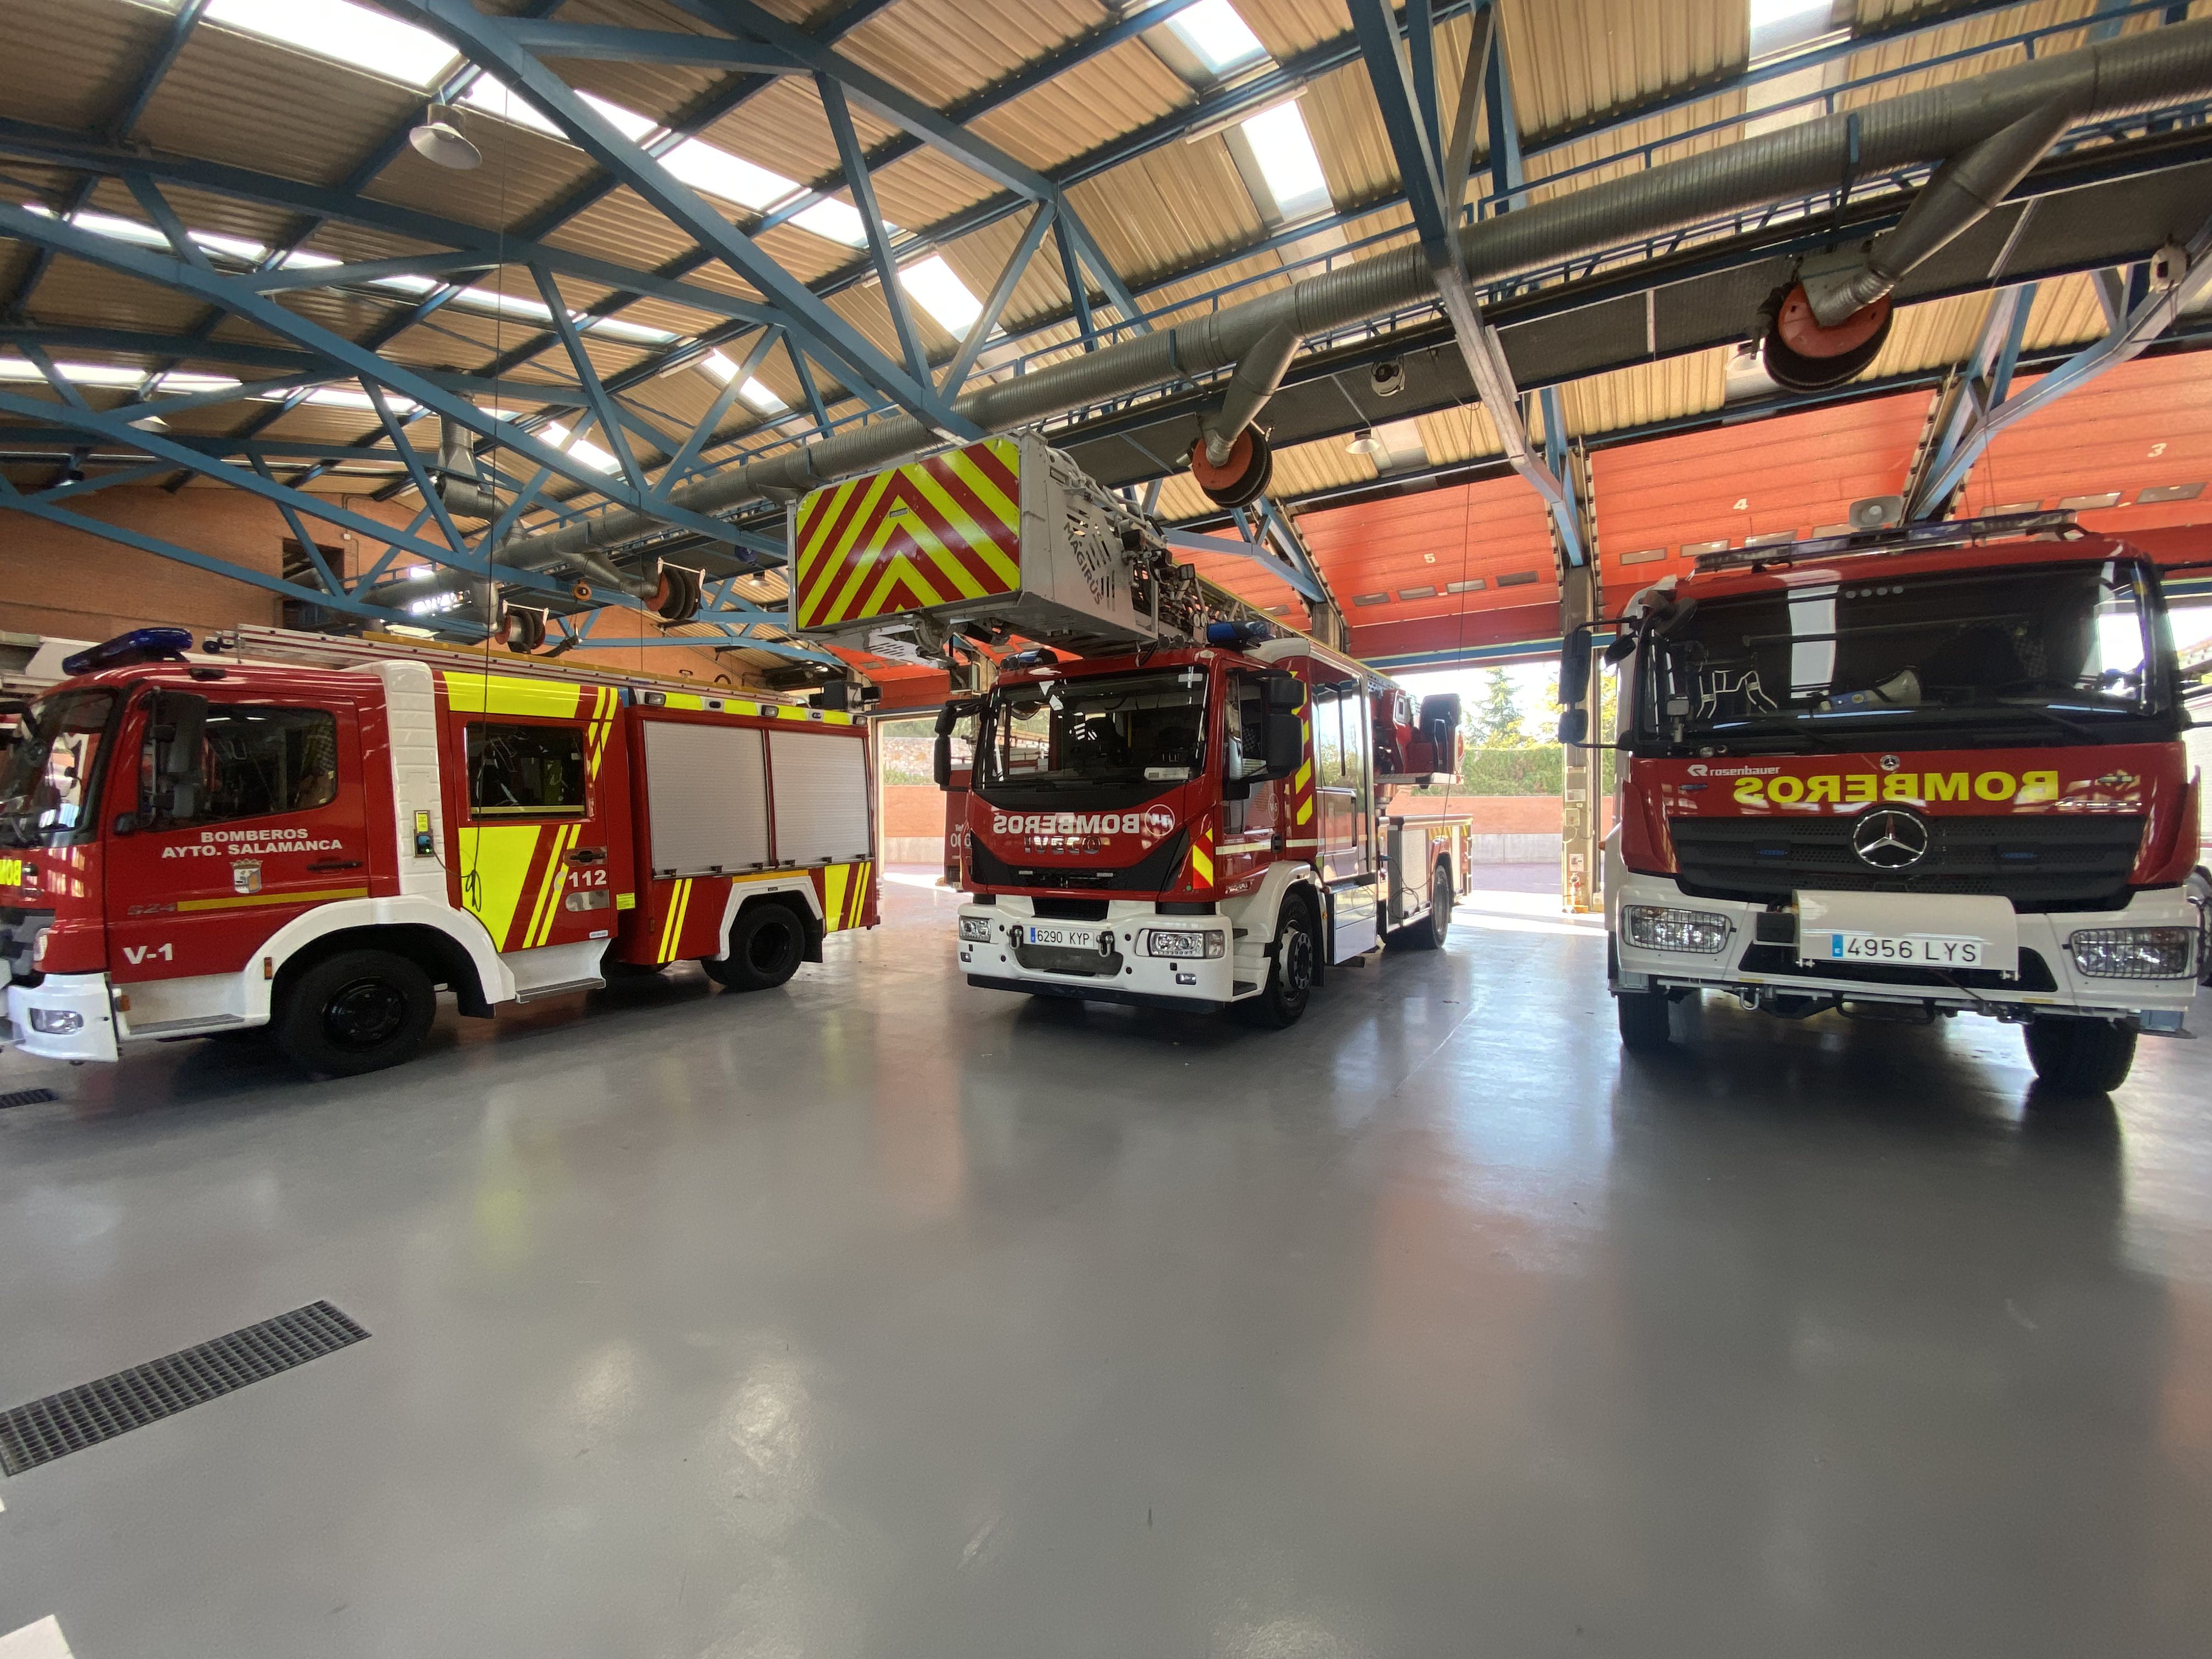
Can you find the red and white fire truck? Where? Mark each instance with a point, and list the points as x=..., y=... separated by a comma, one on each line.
x=1907, y=774
x=1173, y=801
x=315, y=834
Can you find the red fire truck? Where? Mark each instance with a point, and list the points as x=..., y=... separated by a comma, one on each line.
x=1173, y=801
x=1903, y=774
x=313, y=835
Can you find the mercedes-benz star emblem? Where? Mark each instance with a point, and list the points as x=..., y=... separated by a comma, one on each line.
x=1890, y=838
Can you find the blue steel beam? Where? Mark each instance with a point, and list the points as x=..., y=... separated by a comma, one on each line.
x=610, y=422
x=606, y=44
x=1407, y=121
x=805, y=317
x=2126, y=340
x=1983, y=380
x=233, y=295
x=872, y=226
x=994, y=303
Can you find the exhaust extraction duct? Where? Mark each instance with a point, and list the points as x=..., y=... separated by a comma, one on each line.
x=2113, y=77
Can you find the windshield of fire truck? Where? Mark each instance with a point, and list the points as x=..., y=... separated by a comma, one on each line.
x=51, y=781
x=1129, y=736
x=2050, y=650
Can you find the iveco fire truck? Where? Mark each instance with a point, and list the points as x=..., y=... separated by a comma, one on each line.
x=1174, y=802
x=1906, y=774
x=313, y=835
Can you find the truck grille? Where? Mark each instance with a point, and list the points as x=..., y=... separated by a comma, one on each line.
x=2048, y=863
x=18, y=937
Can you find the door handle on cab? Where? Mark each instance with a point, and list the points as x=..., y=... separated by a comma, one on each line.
x=583, y=855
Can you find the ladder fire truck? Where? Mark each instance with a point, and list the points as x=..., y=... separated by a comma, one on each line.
x=1174, y=802
x=313, y=835
x=1906, y=774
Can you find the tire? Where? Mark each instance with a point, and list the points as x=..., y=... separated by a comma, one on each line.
x=357, y=1012
x=1290, y=973
x=2076, y=1057
x=1644, y=1027
x=767, y=944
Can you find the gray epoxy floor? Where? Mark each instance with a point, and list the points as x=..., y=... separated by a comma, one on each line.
x=880, y=1316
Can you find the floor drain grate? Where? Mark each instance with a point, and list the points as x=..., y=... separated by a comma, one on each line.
x=94, y=1411
x=27, y=1097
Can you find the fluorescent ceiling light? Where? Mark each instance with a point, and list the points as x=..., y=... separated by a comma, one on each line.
x=1285, y=151
x=357, y=36
x=938, y=288
x=582, y=449
x=1217, y=35
x=129, y=230
x=120, y=376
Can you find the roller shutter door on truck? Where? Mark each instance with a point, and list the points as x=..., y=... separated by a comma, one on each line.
x=821, y=797
x=707, y=793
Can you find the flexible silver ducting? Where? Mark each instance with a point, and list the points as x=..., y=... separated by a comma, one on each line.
x=2111, y=77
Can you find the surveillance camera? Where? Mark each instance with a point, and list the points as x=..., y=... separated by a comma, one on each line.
x=2169, y=264
x=1387, y=379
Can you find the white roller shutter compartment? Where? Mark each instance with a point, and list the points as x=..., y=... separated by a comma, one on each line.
x=707, y=791
x=821, y=797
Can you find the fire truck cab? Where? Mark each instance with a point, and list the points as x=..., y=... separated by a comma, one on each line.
x=1197, y=827
x=194, y=847
x=1906, y=775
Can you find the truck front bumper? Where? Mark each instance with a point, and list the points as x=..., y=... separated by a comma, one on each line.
x=2049, y=980
x=1128, y=971
x=63, y=1016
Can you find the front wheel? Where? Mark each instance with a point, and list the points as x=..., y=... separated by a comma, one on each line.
x=767, y=944
x=359, y=1011
x=1644, y=1026
x=1291, y=974
x=2077, y=1056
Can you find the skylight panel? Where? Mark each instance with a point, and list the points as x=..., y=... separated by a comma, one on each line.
x=762, y=399
x=1217, y=36
x=1779, y=25
x=1285, y=151
x=144, y=235
x=836, y=221
x=718, y=172
x=107, y=375
x=937, y=287
x=718, y=369
x=495, y=97
x=357, y=36
x=341, y=397
x=582, y=449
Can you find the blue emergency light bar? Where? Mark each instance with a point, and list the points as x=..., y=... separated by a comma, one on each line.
x=127, y=650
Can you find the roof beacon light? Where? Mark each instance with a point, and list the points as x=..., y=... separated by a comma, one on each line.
x=127, y=650
x=1897, y=538
x=1239, y=635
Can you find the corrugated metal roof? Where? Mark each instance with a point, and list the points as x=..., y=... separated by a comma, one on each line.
x=1157, y=216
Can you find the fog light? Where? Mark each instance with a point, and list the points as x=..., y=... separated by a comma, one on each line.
x=2134, y=952
x=55, y=1021
x=975, y=927
x=1182, y=942
x=1656, y=927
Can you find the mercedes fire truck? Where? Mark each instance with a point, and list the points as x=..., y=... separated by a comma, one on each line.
x=313, y=835
x=1173, y=801
x=1903, y=774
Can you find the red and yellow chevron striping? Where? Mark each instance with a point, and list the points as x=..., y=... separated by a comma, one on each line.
x=934, y=533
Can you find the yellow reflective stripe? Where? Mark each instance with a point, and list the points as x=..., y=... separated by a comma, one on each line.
x=494, y=863
x=834, y=878
x=505, y=694
x=672, y=929
x=1305, y=811
x=319, y=896
x=861, y=874
x=548, y=885
x=1305, y=776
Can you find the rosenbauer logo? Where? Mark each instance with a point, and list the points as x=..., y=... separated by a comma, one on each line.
x=1155, y=822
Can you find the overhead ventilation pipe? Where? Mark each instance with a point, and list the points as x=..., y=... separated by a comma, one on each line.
x=1831, y=322
x=1232, y=459
x=2113, y=77
x=460, y=484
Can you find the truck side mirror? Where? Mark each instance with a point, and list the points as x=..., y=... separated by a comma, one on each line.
x=178, y=725
x=1285, y=691
x=1286, y=742
x=1440, y=726
x=1574, y=666
x=1574, y=725
x=1621, y=649
x=955, y=711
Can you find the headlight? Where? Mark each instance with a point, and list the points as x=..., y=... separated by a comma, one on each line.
x=38, y=945
x=1656, y=927
x=2134, y=952
x=975, y=927
x=1182, y=942
x=55, y=1021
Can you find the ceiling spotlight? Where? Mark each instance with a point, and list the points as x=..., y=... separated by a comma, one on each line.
x=439, y=139
x=1367, y=444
